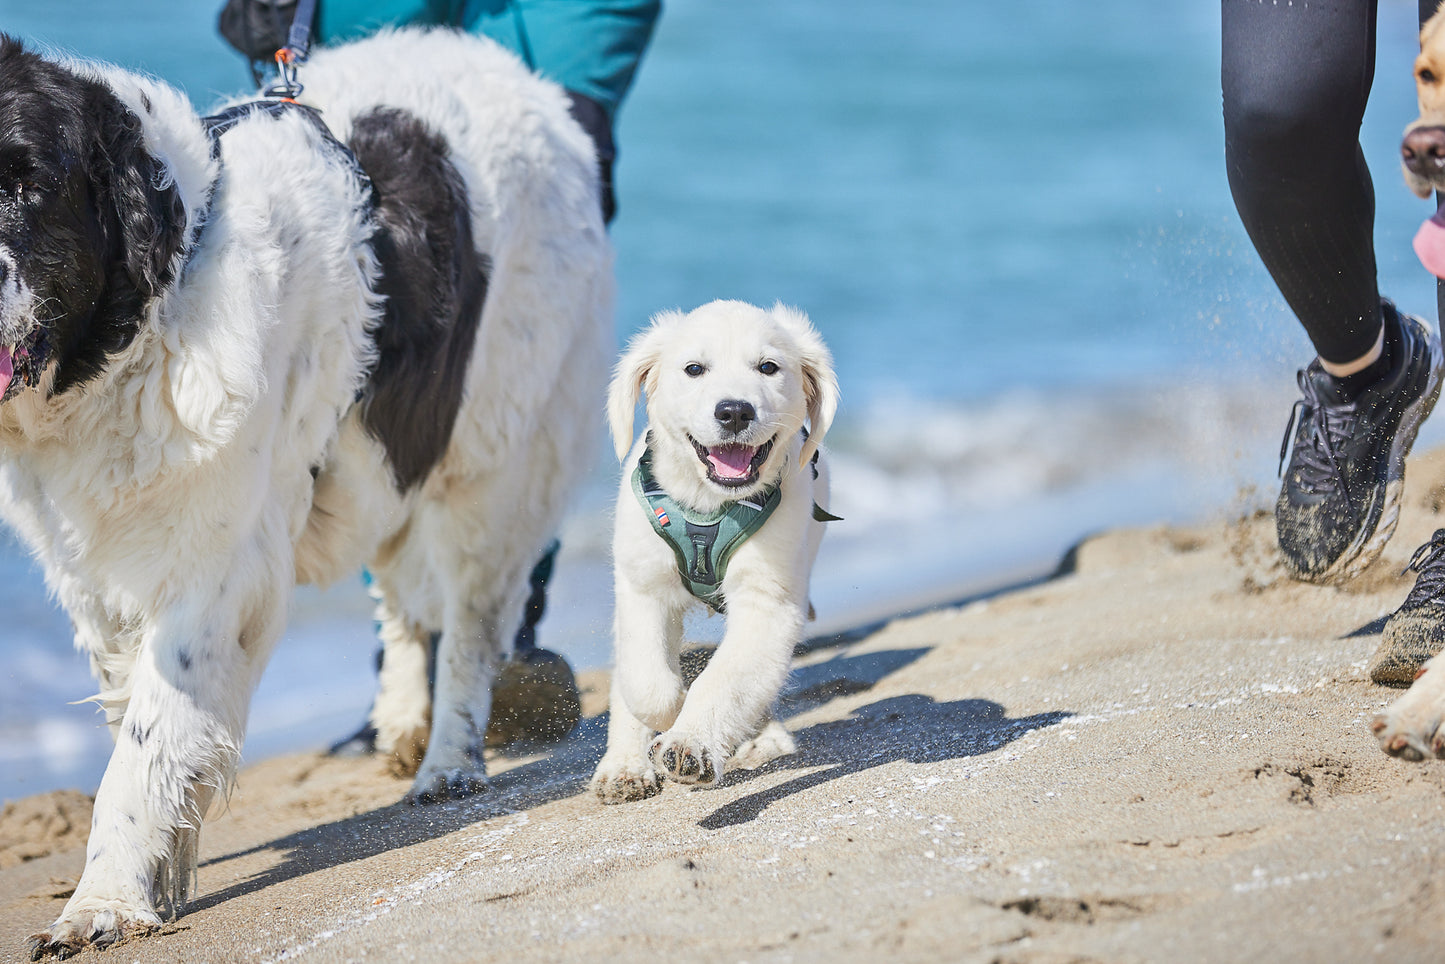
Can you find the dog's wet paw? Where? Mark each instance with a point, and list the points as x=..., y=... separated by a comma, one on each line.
x=99, y=928
x=1410, y=728
x=625, y=782
x=685, y=760
x=774, y=741
x=447, y=785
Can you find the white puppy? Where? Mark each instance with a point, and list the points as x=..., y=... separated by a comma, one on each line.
x=719, y=505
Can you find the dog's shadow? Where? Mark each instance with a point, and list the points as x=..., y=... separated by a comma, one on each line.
x=559, y=775
x=911, y=727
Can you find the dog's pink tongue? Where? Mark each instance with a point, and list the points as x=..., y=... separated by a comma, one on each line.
x=1430, y=244
x=731, y=461
x=7, y=370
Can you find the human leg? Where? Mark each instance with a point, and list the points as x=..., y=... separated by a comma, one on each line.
x=1296, y=78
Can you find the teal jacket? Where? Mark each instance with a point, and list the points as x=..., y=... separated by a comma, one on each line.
x=591, y=47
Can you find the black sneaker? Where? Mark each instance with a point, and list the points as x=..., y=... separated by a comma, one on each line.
x=1341, y=494
x=1416, y=631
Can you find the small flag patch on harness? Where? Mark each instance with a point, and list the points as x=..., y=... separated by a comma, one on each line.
x=661, y=514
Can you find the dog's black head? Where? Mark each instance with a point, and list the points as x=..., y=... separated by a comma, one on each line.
x=89, y=223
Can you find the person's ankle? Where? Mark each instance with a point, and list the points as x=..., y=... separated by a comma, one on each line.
x=1353, y=377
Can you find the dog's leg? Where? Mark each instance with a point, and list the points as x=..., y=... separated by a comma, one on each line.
x=402, y=711
x=179, y=740
x=728, y=701
x=772, y=741
x=1413, y=727
x=479, y=625
x=647, y=636
x=624, y=773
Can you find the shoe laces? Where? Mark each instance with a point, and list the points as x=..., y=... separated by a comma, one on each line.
x=1318, y=466
x=1429, y=562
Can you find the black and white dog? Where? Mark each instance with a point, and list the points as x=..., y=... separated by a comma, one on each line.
x=242, y=355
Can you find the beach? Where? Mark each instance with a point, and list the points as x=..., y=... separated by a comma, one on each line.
x=1160, y=753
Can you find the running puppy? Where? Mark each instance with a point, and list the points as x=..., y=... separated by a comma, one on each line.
x=720, y=506
x=247, y=351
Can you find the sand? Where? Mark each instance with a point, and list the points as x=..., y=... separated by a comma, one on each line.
x=1161, y=754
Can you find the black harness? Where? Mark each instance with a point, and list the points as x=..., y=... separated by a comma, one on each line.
x=216, y=126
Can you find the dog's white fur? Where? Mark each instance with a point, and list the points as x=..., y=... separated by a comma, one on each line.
x=766, y=584
x=171, y=499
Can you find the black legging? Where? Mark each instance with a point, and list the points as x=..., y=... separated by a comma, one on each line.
x=1296, y=77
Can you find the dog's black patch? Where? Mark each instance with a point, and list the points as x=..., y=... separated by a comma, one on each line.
x=89, y=215
x=434, y=281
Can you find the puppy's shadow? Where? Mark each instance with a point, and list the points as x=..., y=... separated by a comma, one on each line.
x=911, y=727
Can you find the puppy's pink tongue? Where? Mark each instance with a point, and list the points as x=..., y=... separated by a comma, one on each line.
x=1430, y=244
x=7, y=370
x=731, y=461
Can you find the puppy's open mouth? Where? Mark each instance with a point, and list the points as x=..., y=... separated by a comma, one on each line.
x=732, y=465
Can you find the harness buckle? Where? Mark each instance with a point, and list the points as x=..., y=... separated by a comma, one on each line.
x=287, y=87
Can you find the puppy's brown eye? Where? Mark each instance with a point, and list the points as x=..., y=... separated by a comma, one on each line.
x=769, y=368
x=694, y=370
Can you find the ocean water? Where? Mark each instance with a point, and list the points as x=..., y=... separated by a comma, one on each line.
x=1011, y=223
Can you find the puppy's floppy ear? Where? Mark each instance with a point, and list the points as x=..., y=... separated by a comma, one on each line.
x=820, y=384
x=636, y=370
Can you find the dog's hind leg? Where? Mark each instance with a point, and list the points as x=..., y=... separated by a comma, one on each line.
x=402, y=712
x=481, y=615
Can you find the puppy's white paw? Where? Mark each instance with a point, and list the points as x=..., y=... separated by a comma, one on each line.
x=96, y=924
x=623, y=781
x=685, y=760
x=1410, y=728
x=772, y=742
x=436, y=786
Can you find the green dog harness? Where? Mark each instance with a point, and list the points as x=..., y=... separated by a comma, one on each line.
x=703, y=544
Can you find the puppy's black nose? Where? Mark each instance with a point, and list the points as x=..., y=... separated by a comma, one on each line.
x=1423, y=150
x=734, y=415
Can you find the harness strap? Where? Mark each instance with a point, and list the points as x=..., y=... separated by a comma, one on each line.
x=702, y=545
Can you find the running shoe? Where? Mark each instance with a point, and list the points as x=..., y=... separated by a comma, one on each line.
x=1341, y=494
x=1416, y=631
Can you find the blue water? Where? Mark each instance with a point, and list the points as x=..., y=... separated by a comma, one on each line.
x=1011, y=223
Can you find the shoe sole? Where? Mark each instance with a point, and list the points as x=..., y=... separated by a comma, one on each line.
x=1371, y=542
x=1408, y=644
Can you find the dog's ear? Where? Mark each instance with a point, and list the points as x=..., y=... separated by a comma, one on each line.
x=820, y=383
x=636, y=372
x=140, y=192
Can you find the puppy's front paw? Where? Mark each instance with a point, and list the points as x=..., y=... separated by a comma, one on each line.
x=435, y=787
x=99, y=926
x=1410, y=728
x=685, y=760
x=625, y=781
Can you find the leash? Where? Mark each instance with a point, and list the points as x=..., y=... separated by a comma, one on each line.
x=293, y=54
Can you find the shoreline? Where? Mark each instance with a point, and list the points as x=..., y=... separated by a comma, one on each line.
x=1162, y=754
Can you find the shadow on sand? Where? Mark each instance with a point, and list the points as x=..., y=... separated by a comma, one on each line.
x=911, y=727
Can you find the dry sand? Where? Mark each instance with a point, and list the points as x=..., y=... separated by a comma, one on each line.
x=1162, y=755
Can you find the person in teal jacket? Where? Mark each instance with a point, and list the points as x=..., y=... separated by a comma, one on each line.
x=590, y=47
